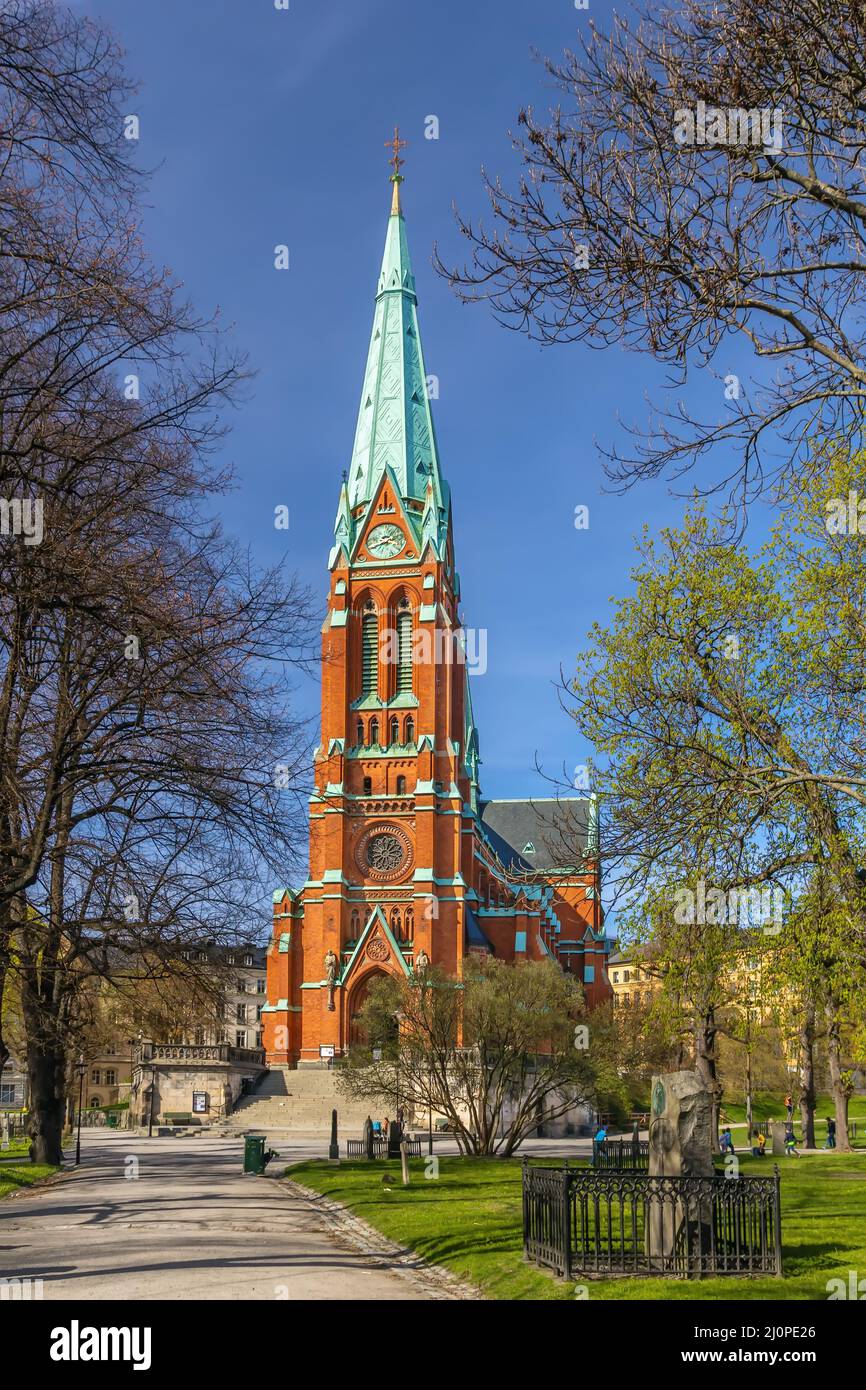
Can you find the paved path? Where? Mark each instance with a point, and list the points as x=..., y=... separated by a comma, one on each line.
x=189, y=1226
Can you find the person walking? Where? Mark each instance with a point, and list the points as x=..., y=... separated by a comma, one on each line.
x=831, y=1134
x=790, y=1142
x=789, y=1107
x=726, y=1142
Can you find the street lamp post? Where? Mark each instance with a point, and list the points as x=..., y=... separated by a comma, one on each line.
x=152, y=1093
x=81, y=1069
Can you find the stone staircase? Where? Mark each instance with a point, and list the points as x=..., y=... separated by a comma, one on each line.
x=298, y=1100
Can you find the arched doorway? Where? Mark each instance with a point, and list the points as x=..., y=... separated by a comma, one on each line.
x=357, y=1000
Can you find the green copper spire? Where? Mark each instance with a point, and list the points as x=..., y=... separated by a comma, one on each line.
x=395, y=423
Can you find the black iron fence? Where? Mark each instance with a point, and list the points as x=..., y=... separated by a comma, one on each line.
x=357, y=1148
x=581, y=1221
x=621, y=1155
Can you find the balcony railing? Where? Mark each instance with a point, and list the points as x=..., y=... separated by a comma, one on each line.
x=150, y=1053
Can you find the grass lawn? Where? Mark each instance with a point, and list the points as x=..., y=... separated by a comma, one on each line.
x=16, y=1170
x=469, y=1220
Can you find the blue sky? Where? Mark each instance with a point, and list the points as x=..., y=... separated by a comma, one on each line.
x=267, y=127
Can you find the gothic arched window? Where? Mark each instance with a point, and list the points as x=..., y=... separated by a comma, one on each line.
x=395, y=730
x=404, y=650
x=369, y=651
x=374, y=731
x=410, y=923
x=410, y=730
x=395, y=922
x=401, y=786
x=360, y=731
x=368, y=786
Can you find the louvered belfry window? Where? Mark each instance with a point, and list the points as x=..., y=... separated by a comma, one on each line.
x=404, y=648
x=369, y=654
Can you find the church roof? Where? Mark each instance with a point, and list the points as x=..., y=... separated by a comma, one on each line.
x=395, y=421
x=474, y=934
x=534, y=834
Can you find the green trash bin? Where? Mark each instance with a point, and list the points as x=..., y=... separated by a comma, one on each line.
x=254, y=1153
x=111, y=1118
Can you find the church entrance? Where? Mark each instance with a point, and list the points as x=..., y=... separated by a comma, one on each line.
x=357, y=1000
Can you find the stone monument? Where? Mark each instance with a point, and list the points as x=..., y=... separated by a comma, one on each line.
x=680, y=1146
x=680, y=1127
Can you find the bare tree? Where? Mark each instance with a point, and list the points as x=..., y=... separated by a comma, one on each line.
x=700, y=181
x=144, y=663
x=495, y=1053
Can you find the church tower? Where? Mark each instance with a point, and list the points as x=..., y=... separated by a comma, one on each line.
x=397, y=841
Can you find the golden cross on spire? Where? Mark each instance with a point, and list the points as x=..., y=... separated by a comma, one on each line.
x=396, y=145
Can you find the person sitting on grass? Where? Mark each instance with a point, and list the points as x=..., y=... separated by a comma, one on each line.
x=759, y=1146
x=790, y=1141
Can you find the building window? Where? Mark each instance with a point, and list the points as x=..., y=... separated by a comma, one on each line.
x=355, y=926
x=259, y=1013
x=374, y=731
x=360, y=733
x=240, y=1038
x=368, y=786
x=248, y=960
x=616, y=977
x=7, y=1093
x=95, y=1076
x=401, y=786
x=395, y=922
x=198, y=1037
x=626, y=976
x=369, y=654
x=110, y=1077
x=261, y=983
x=589, y=974
x=395, y=730
x=241, y=1013
x=410, y=730
x=410, y=923
x=404, y=653
x=95, y=1102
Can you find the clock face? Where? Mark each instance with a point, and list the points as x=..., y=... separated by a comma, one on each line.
x=385, y=541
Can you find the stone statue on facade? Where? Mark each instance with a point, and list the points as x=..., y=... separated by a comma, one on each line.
x=331, y=963
x=422, y=961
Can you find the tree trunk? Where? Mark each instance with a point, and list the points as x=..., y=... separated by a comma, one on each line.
x=45, y=1071
x=705, y=1063
x=838, y=1086
x=806, y=1069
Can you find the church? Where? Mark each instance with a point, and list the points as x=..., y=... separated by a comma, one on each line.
x=409, y=865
